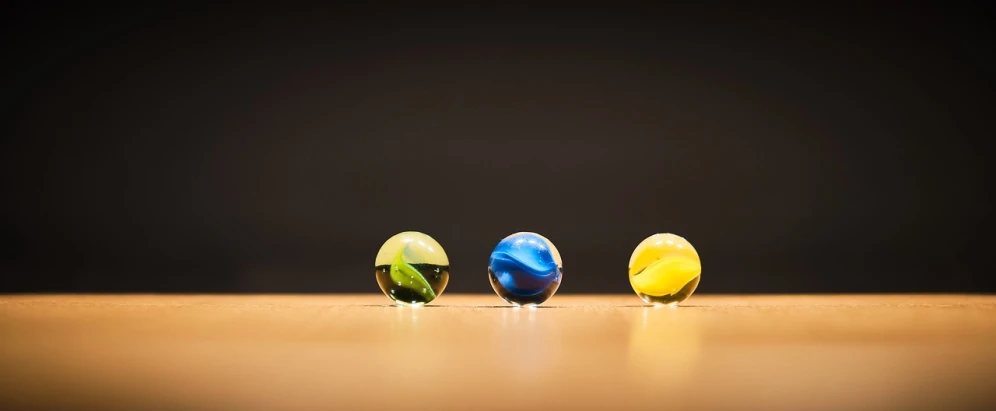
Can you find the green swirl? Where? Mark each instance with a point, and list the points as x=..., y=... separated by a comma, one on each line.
x=407, y=276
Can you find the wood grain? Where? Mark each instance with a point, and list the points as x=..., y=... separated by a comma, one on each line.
x=466, y=352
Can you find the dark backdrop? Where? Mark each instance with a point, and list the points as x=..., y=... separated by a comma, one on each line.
x=275, y=149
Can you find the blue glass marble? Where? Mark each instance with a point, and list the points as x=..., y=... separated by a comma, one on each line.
x=525, y=269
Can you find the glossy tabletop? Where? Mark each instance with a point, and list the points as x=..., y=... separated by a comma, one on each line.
x=462, y=352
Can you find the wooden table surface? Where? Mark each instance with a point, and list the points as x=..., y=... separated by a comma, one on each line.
x=468, y=352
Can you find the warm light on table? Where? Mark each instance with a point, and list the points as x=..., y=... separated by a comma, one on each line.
x=473, y=352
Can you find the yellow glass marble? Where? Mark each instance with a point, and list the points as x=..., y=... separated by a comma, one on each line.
x=664, y=269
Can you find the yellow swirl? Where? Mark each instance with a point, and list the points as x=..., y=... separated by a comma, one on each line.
x=662, y=265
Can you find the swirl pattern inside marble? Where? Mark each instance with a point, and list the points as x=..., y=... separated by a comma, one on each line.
x=525, y=264
x=412, y=268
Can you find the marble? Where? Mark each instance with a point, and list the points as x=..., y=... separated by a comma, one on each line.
x=664, y=269
x=525, y=269
x=412, y=268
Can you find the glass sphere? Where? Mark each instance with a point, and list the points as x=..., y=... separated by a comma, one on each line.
x=525, y=269
x=664, y=269
x=412, y=268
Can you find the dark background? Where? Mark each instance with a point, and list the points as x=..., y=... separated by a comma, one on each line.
x=274, y=149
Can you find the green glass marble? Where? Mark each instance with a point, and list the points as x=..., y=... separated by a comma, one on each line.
x=412, y=268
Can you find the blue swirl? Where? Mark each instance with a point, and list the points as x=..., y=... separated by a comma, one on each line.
x=524, y=264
